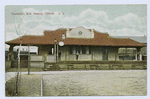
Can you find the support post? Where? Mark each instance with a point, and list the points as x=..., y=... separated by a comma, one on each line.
x=67, y=57
x=45, y=58
x=116, y=54
x=93, y=48
x=28, y=59
x=57, y=52
x=11, y=52
x=65, y=52
x=91, y=53
x=136, y=55
x=39, y=48
x=87, y=49
x=140, y=57
x=139, y=54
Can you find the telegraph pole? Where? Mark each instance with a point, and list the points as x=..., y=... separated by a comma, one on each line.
x=28, y=59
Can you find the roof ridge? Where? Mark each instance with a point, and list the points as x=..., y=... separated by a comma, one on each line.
x=32, y=35
x=56, y=29
x=95, y=31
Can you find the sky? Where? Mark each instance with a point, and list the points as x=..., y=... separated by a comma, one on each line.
x=116, y=20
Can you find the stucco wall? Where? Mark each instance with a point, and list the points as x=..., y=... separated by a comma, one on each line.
x=44, y=49
x=72, y=57
x=37, y=61
x=50, y=58
x=7, y=64
x=112, y=53
x=84, y=33
x=37, y=64
x=36, y=58
x=97, y=53
x=63, y=53
x=84, y=57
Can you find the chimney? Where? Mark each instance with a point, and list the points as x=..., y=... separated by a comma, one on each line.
x=92, y=31
x=67, y=29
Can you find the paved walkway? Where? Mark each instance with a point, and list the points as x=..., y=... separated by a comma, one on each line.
x=9, y=75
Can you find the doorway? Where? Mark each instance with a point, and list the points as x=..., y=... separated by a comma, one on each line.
x=105, y=54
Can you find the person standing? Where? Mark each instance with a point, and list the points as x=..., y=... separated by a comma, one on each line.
x=77, y=55
x=59, y=55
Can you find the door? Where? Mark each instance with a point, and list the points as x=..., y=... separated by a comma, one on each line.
x=24, y=61
x=105, y=54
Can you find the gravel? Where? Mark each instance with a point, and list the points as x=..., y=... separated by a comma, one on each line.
x=80, y=83
x=96, y=83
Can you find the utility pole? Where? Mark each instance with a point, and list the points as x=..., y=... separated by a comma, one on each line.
x=28, y=59
x=55, y=52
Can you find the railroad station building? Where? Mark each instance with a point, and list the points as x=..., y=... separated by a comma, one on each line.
x=75, y=44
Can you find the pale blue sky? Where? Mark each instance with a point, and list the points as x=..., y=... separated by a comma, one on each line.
x=117, y=20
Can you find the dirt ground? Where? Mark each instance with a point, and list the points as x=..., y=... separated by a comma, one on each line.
x=30, y=85
x=96, y=83
x=82, y=83
x=24, y=69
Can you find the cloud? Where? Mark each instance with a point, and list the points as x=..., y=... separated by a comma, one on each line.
x=128, y=24
x=126, y=32
x=129, y=19
x=143, y=22
x=10, y=35
x=88, y=17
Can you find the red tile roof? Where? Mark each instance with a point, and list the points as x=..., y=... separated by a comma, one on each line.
x=100, y=39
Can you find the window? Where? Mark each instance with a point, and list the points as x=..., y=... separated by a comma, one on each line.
x=89, y=49
x=52, y=50
x=71, y=49
x=78, y=49
x=63, y=36
x=80, y=32
x=105, y=51
x=83, y=49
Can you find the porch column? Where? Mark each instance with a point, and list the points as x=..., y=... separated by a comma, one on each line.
x=55, y=52
x=139, y=56
x=39, y=50
x=116, y=54
x=87, y=50
x=80, y=49
x=67, y=53
x=74, y=50
x=45, y=58
x=136, y=55
x=93, y=48
x=10, y=53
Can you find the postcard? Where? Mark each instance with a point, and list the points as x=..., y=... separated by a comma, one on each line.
x=76, y=50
